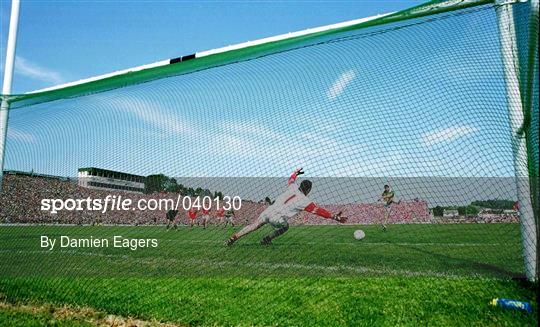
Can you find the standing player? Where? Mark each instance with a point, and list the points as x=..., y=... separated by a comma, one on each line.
x=192, y=216
x=287, y=205
x=229, y=217
x=171, y=215
x=220, y=215
x=205, y=216
x=387, y=197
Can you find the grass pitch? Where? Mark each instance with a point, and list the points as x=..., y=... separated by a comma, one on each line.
x=312, y=275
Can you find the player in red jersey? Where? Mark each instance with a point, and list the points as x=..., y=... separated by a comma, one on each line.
x=205, y=216
x=220, y=215
x=192, y=216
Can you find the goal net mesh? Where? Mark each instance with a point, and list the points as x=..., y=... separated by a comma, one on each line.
x=418, y=103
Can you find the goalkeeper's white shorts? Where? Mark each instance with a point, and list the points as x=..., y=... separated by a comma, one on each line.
x=276, y=221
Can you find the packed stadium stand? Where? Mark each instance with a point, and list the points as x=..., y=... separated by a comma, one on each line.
x=21, y=203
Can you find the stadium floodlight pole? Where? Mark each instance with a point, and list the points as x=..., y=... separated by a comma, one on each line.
x=8, y=78
x=509, y=52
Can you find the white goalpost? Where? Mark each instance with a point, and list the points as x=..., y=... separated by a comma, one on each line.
x=8, y=78
x=509, y=53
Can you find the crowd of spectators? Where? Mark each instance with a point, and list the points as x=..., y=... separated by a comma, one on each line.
x=20, y=202
x=498, y=218
x=481, y=218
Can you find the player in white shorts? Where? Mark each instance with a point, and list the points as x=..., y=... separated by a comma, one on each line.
x=287, y=205
x=220, y=215
x=229, y=217
x=205, y=217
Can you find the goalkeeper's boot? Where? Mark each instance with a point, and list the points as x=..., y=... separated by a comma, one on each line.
x=267, y=240
x=231, y=240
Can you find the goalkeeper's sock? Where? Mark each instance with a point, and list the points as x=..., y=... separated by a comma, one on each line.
x=267, y=240
x=231, y=240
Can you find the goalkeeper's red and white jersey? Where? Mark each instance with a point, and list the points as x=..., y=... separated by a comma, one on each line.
x=293, y=201
x=290, y=203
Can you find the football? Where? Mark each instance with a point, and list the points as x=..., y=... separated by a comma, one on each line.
x=359, y=234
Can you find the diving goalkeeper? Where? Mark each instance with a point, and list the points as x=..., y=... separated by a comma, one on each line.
x=287, y=205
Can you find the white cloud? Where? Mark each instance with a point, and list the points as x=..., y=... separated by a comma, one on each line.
x=234, y=144
x=34, y=71
x=369, y=165
x=19, y=135
x=447, y=134
x=152, y=114
x=258, y=141
x=250, y=129
x=340, y=84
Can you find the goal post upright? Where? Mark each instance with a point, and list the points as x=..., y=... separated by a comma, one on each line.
x=510, y=60
x=8, y=78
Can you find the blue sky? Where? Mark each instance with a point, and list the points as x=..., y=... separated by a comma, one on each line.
x=78, y=39
x=355, y=108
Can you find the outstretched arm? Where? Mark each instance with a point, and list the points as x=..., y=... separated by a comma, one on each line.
x=322, y=212
x=294, y=175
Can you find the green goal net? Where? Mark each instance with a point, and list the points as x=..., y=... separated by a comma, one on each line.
x=439, y=102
